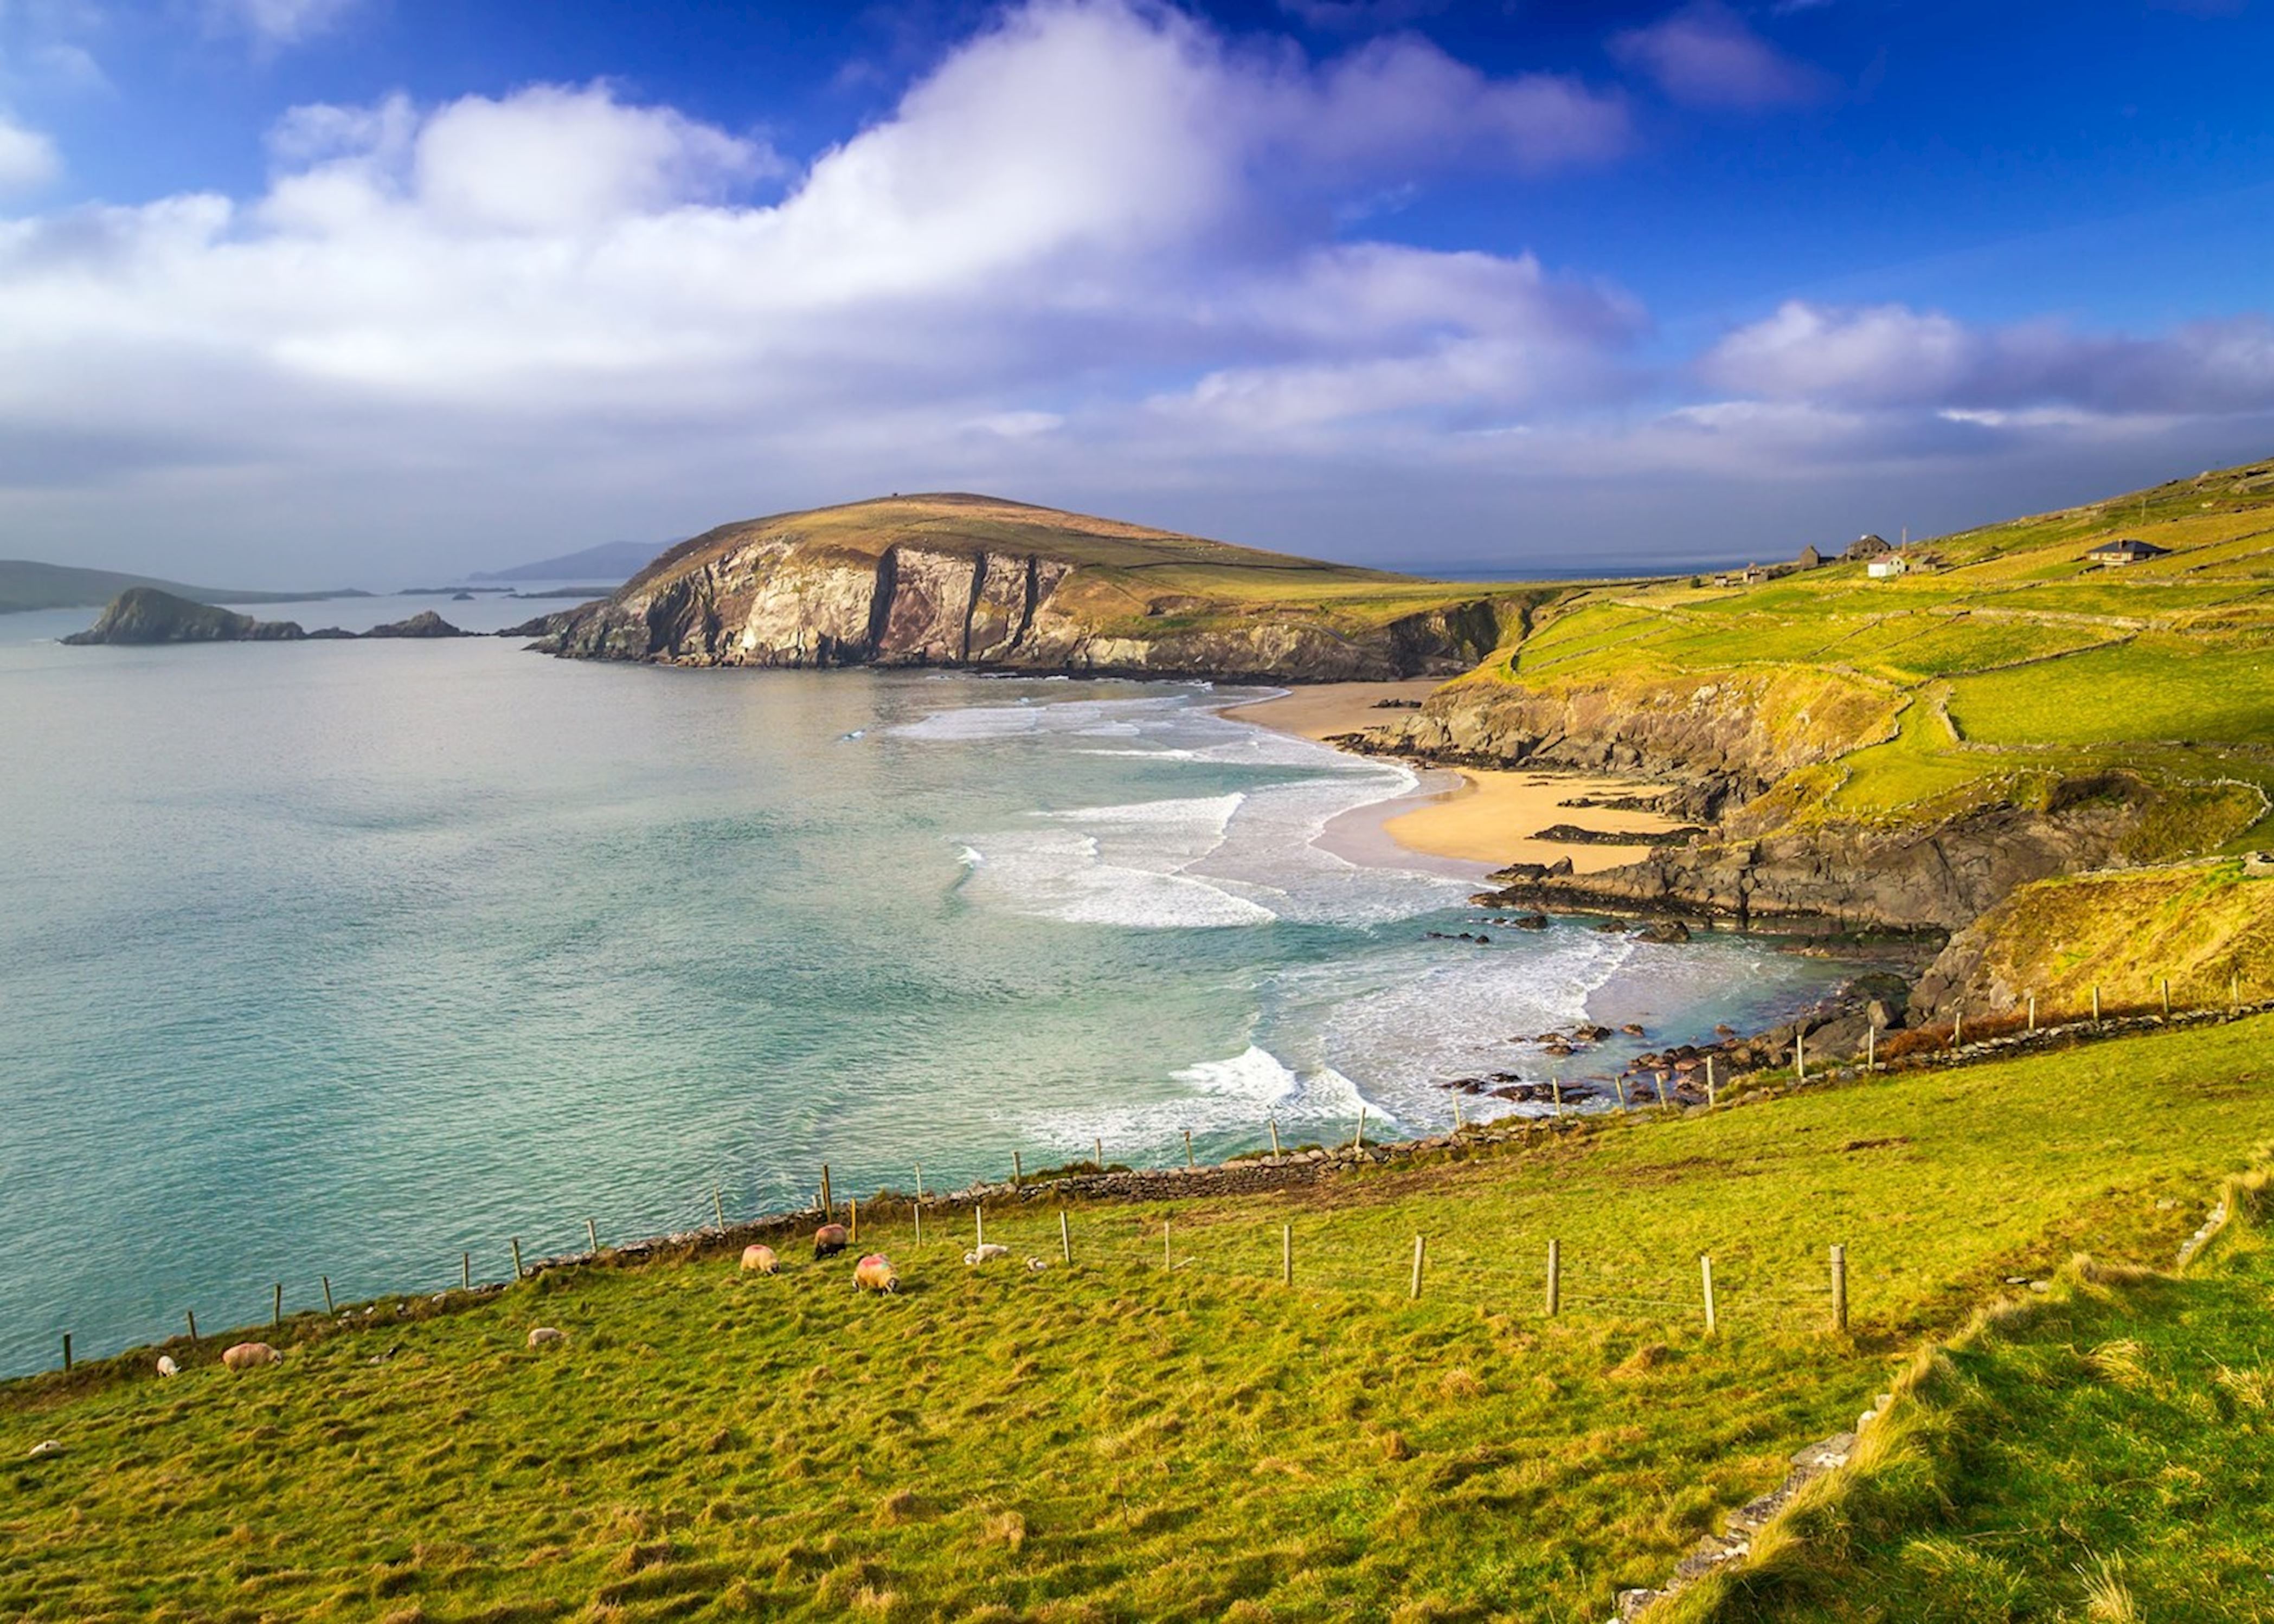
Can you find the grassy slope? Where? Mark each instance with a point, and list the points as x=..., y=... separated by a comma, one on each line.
x=2105, y=1455
x=2011, y=666
x=1127, y=572
x=1116, y=1440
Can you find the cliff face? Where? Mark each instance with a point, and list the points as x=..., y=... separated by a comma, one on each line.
x=957, y=590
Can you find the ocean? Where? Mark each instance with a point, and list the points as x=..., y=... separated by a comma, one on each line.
x=345, y=959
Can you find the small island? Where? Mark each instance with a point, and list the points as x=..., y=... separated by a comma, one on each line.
x=143, y=615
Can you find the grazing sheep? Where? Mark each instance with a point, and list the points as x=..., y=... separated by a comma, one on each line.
x=249, y=1355
x=987, y=1252
x=45, y=1447
x=760, y=1259
x=874, y=1273
x=166, y=1365
x=544, y=1336
x=1035, y=1266
x=829, y=1240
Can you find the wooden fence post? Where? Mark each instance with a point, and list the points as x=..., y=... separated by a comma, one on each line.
x=978, y=1224
x=852, y=1236
x=919, y=1181
x=1799, y=1054
x=918, y=1211
x=67, y=1362
x=1557, y=1084
x=327, y=1294
x=1659, y=1078
x=466, y=1270
x=276, y=1317
x=1189, y=1149
x=1706, y=1273
x=1710, y=1100
x=1097, y=1146
x=1871, y=1047
x=718, y=1205
x=1958, y=1021
x=1420, y=1245
x=2033, y=1012
x=2096, y=1001
x=1840, y=1289
x=1619, y=1082
x=1286, y=1254
x=592, y=1234
x=191, y=1316
x=828, y=1207
x=517, y=1259
x=1165, y=1265
x=1555, y=1278
x=1457, y=1124
x=2167, y=994
x=1018, y=1171
x=1065, y=1237
x=1358, y=1140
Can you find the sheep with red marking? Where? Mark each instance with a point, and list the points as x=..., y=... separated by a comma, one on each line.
x=874, y=1273
x=830, y=1239
x=760, y=1260
x=251, y=1356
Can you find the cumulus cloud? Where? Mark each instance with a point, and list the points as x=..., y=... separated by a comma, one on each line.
x=1891, y=355
x=27, y=158
x=1082, y=201
x=1705, y=55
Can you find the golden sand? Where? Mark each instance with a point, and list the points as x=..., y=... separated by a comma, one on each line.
x=1489, y=816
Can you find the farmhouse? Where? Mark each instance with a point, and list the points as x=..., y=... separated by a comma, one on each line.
x=2125, y=552
x=1809, y=558
x=1887, y=566
x=1866, y=547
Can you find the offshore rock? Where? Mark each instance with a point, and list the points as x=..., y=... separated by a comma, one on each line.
x=425, y=623
x=143, y=615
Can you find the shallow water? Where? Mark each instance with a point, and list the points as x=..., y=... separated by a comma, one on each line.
x=346, y=958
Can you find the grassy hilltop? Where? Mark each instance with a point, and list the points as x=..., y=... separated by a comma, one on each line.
x=1971, y=738
x=1116, y=1439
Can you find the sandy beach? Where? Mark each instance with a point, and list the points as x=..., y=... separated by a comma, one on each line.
x=1467, y=814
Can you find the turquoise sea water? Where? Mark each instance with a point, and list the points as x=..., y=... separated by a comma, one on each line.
x=346, y=958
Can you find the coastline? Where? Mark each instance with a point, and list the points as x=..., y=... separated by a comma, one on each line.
x=1479, y=818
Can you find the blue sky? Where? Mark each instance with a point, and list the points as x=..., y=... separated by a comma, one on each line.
x=318, y=289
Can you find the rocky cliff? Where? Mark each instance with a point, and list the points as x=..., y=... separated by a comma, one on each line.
x=962, y=581
x=143, y=615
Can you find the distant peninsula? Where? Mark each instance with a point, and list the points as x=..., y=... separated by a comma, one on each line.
x=26, y=585
x=144, y=614
x=958, y=580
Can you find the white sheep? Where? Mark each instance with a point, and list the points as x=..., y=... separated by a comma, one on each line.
x=166, y=1365
x=986, y=1252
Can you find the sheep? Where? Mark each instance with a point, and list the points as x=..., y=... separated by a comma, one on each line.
x=874, y=1273
x=544, y=1334
x=166, y=1365
x=251, y=1356
x=760, y=1259
x=829, y=1240
x=986, y=1252
x=1035, y=1266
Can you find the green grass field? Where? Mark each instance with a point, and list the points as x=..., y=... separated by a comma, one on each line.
x=2105, y=1455
x=1118, y=1439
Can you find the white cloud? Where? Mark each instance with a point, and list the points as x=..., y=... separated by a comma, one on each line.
x=1892, y=354
x=278, y=22
x=28, y=160
x=1705, y=55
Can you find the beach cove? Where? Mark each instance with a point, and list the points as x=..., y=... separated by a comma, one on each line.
x=347, y=959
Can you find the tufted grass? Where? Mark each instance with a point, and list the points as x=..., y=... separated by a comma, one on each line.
x=1116, y=1440
x=2106, y=1454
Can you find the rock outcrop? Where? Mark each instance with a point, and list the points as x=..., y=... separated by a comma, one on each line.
x=963, y=581
x=425, y=623
x=143, y=615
